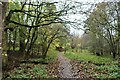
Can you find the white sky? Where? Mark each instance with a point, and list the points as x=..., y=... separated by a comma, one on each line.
x=72, y=0
x=80, y=32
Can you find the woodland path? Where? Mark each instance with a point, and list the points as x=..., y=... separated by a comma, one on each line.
x=66, y=69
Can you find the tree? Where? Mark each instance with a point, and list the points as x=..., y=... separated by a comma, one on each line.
x=75, y=41
x=118, y=33
x=28, y=18
x=1, y=26
x=3, y=45
x=48, y=34
x=99, y=22
x=38, y=14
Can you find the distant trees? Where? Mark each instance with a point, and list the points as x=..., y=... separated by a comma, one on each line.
x=103, y=23
x=75, y=42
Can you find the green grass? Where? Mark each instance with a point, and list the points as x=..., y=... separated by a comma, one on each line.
x=110, y=68
x=86, y=56
x=107, y=71
x=36, y=71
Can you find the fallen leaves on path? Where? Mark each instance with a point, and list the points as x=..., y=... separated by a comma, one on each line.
x=64, y=67
x=80, y=70
x=52, y=69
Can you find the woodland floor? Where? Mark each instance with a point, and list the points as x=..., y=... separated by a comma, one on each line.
x=61, y=67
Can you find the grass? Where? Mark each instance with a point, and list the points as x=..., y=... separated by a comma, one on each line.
x=33, y=71
x=110, y=68
x=112, y=71
x=27, y=70
x=86, y=56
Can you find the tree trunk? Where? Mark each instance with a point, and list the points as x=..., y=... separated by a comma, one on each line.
x=44, y=51
x=14, y=43
x=3, y=46
x=114, y=54
x=4, y=33
x=1, y=29
x=119, y=33
x=22, y=41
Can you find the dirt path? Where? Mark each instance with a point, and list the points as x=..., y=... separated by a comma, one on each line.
x=64, y=67
x=70, y=69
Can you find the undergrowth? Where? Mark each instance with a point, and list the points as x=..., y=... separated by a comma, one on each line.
x=103, y=67
x=30, y=70
x=86, y=56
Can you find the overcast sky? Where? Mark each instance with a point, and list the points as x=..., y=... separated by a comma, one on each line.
x=73, y=0
x=80, y=32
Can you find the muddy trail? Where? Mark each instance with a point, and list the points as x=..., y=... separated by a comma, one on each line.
x=64, y=67
x=67, y=69
x=71, y=70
